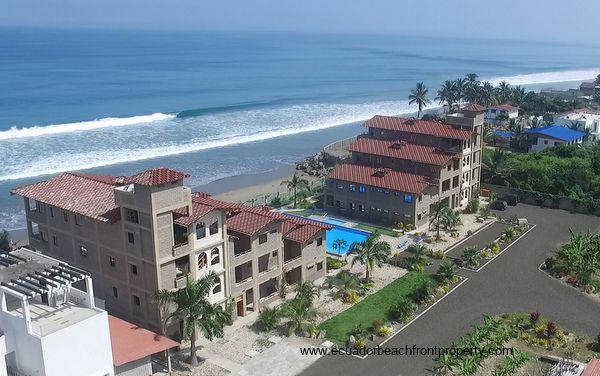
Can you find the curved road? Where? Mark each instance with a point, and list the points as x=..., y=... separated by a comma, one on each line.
x=510, y=283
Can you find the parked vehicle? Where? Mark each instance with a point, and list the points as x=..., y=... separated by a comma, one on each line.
x=511, y=200
x=499, y=205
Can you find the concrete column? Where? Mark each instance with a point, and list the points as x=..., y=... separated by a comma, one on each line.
x=26, y=313
x=90, y=292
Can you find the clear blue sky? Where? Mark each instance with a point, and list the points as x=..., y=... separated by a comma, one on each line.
x=508, y=19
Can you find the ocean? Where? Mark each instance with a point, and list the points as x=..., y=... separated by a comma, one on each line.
x=217, y=105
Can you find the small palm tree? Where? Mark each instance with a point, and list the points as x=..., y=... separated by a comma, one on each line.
x=445, y=363
x=268, y=318
x=340, y=244
x=439, y=213
x=371, y=252
x=308, y=291
x=495, y=167
x=347, y=284
x=447, y=271
x=295, y=184
x=471, y=256
x=418, y=95
x=196, y=312
x=300, y=313
x=485, y=211
x=420, y=254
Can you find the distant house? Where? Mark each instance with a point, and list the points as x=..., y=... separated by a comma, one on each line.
x=585, y=119
x=502, y=138
x=589, y=88
x=554, y=135
x=501, y=112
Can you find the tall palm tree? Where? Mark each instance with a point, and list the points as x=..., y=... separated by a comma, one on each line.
x=460, y=85
x=446, y=93
x=518, y=96
x=371, y=252
x=472, y=78
x=438, y=214
x=504, y=92
x=488, y=95
x=296, y=183
x=300, y=313
x=418, y=95
x=495, y=167
x=196, y=312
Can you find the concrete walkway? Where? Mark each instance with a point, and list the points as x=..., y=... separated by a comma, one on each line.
x=510, y=283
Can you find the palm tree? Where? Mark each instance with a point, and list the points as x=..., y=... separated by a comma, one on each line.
x=196, y=312
x=495, y=167
x=419, y=254
x=446, y=93
x=504, y=92
x=471, y=256
x=300, y=313
x=460, y=85
x=307, y=290
x=346, y=283
x=445, y=363
x=447, y=271
x=340, y=244
x=518, y=96
x=371, y=252
x=451, y=221
x=4, y=241
x=487, y=95
x=438, y=214
x=472, y=78
x=295, y=184
x=418, y=95
x=536, y=122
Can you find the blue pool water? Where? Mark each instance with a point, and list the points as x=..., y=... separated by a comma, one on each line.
x=348, y=234
x=333, y=221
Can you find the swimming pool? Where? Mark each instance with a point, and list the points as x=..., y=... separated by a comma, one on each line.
x=348, y=234
x=333, y=221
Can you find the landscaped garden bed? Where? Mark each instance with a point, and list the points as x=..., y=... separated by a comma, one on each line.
x=514, y=344
x=577, y=263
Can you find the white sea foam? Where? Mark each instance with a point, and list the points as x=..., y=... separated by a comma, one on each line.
x=34, y=131
x=548, y=77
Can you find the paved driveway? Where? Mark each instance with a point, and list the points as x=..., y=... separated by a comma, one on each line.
x=511, y=283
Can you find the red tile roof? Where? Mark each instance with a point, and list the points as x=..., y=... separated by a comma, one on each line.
x=505, y=107
x=474, y=107
x=88, y=195
x=156, y=176
x=302, y=230
x=249, y=223
x=592, y=369
x=130, y=342
x=402, y=150
x=381, y=178
x=428, y=127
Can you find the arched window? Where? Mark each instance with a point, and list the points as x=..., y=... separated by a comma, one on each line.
x=217, y=288
x=214, y=256
x=214, y=226
x=200, y=230
x=202, y=260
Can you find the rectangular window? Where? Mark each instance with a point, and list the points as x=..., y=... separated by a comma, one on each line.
x=340, y=186
x=77, y=220
x=65, y=216
x=320, y=265
x=361, y=208
x=408, y=198
x=131, y=215
x=274, y=253
x=115, y=292
x=130, y=237
x=51, y=212
x=33, y=205
x=262, y=238
x=83, y=251
x=54, y=240
x=362, y=189
x=41, y=207
x=319, y=242
x=112, y=260
x=136, y=300
x=133, y=269
x=213, y=228
x=352, y=187
x=43, y=236
x=352, y=206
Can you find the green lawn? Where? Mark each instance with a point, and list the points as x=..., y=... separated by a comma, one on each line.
x=373, y=307
x=381, y=230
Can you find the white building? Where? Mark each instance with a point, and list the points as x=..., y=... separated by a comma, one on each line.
x=585, y=119
x=501, y=112
x=50, y=327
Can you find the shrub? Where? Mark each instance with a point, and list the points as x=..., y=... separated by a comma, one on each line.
x=472, y=206
x=268, y=318
x=384, y=331
x=572, y=280
x=486, y=254
x=358, y=331
x=419, y=268
x=351, y=298
x=598, y=341
x=540, y=329
x=403, y=310
x=376, y=324
x=334, y=264
x=360, y=343
x=438, y=255
x=534, y=318
x=423, y=293
x=526, y=337
x=494, y=247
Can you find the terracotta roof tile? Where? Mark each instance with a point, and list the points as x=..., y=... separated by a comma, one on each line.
x=156, y=176
x=130, y=342
x=402, y=150
x=381, y=178
x=505, y=107
x=248, y=223
x=592, y=368
x=428, y=127
x=88, y=195
x=474, y=107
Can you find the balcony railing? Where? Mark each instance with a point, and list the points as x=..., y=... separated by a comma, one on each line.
x=243, y=281
x=286, y=261
x=238, y=254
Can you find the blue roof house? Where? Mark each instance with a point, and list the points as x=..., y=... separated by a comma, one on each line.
x=553, y=135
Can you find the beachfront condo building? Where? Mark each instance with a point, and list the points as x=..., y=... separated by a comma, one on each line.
x=50, y=323
x=138, y=234
x=402, y=166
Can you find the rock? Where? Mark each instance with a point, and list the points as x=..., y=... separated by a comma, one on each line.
x=351, y=342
